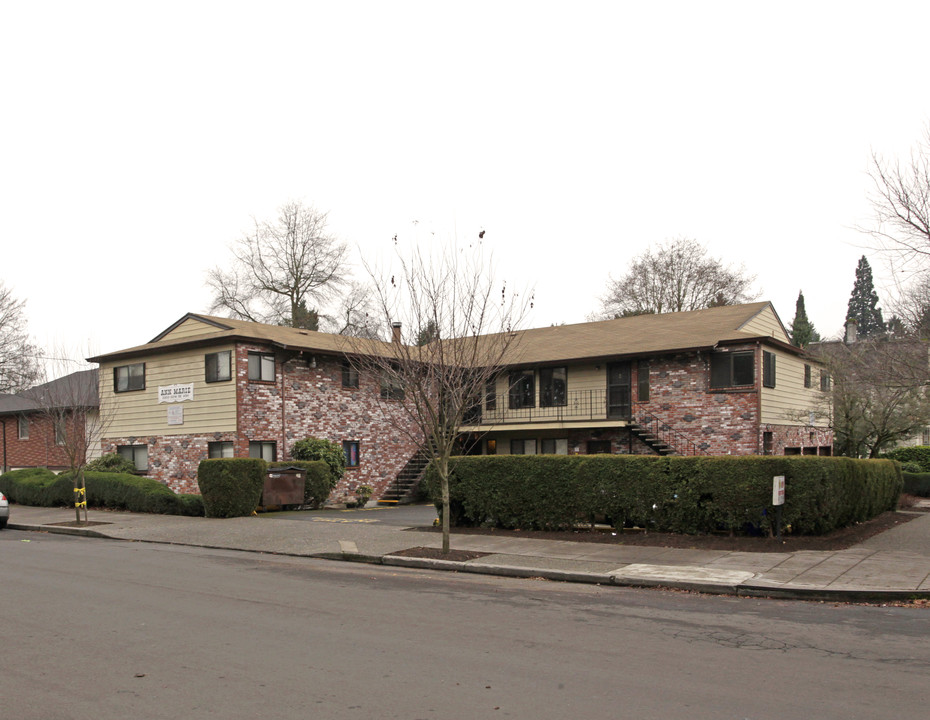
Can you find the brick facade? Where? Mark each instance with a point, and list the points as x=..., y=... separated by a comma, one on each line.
x=306, y=399
x=39, y=449
x=716, y=422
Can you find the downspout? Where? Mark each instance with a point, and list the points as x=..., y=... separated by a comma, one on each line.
x=283, y=411
x=3, y=420
x=759, y=359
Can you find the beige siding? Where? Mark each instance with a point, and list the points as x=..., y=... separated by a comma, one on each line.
x=766, y=323
x=580, y=380
x=789, y=402
x=191, y=328
x=138, y=412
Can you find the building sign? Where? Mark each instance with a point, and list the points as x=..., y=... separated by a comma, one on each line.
x=175, y=414
x=175, y=393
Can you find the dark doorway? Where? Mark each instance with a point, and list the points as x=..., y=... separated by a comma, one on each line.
x=618, y=391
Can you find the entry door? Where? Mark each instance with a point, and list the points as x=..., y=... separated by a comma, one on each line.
x=618, y=390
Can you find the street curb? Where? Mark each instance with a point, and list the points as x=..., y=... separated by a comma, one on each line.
x=58, y=530
x=745, y=590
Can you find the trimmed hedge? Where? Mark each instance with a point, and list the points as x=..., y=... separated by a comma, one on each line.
x=231, y=487
x=119, y=491
x=669, y=494
x=319, y=483
x=917, y=484
x=918, y=454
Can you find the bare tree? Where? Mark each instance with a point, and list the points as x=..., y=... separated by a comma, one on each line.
x=911, y=307
x=433, y=388
x=677, y=276
x=900, y=198
x=877, y=395
x=355, y=313
x=71, y=406
x=279, y=267
x=19, y=363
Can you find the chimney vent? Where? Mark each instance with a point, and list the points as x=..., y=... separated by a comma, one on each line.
x=852, y=326
x=395, y=332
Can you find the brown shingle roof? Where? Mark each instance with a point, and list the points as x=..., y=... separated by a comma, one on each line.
x=640, y=335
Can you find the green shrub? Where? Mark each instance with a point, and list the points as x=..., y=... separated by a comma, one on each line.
x=677, y=494
x=331, y=453
x=231, y=487
x=919, y=454
x=319, y=481
x=38, y=487
x=112, y=490
x=111, y=462
x=363, y=494
x=917, y=484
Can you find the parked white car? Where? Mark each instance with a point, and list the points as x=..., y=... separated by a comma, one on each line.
x=4, y=511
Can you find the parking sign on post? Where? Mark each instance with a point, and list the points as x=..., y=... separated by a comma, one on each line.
x=778, y=490
x=778, y=499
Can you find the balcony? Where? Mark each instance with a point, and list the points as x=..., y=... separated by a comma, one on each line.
x=580, y=405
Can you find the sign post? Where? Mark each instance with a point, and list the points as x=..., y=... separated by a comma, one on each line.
x=778, y=499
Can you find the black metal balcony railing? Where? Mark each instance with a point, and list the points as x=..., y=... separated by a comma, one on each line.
x=579, y=405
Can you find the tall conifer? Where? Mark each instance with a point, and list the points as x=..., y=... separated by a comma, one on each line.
x=863, y=303
x=802, y=329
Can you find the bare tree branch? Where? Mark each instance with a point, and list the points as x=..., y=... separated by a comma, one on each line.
x=434, y=388
x=279, y=267
x=19, y=364
x=678, y=276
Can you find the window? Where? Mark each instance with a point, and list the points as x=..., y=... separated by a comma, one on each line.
x=824, y=380
x=129, y=377
x=60, y=431
x=554, y=446
x=349, y=375
x=807, y=376
x=767, y=443
x=351, y=451
x=490, y=394
x=218, y=366
x=642, y=381
x=138, y=455
x=523, y=447
x=23, y=427
x=391, y=386
x=522, y=390
x=220, y=449
x=264, y=450
x=552, y=387
x=598, y=447
x=734, y=369
x=261, y=367
x=768, y=369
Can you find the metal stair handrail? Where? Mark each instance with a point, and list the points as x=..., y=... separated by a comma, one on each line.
x=672, y=438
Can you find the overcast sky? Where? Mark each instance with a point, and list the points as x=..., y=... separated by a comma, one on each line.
x=138, y=141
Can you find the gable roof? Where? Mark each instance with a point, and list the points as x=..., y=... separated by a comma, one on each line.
x=657, y=334
x=77, y=389
x=624, y=337
x=216, y=330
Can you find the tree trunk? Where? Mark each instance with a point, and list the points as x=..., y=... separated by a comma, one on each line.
x=444, y=485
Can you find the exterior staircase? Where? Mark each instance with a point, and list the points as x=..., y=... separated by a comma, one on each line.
x=404, y=487
x=659, y=435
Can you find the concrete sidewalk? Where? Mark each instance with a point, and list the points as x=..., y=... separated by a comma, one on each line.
x=892, y=566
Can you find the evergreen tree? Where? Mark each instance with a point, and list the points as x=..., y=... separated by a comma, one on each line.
x=802, y=329
x=304, y=318
x=863, y=303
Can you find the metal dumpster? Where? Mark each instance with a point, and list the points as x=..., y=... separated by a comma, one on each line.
x=284, y=486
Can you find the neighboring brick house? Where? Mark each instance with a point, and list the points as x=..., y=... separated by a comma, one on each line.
x=38, y=425
x=717, y=381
